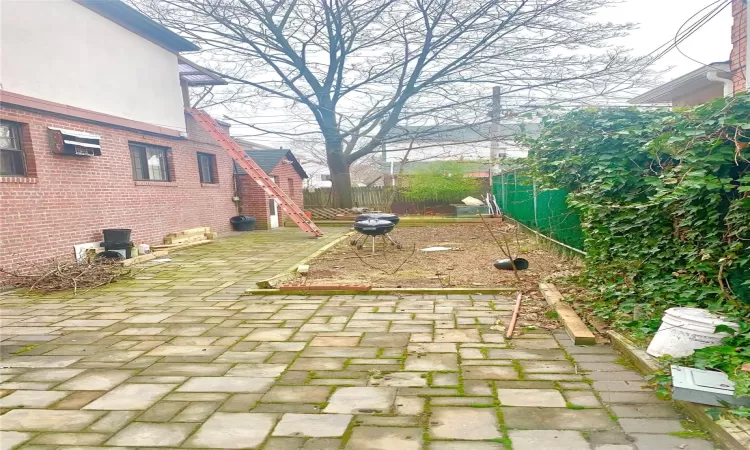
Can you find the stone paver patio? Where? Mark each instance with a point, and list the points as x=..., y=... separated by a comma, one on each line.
x=180, y=359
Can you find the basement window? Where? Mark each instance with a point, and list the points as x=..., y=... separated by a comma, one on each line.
x=150, y=162
x=12, y=162
x=207, y=168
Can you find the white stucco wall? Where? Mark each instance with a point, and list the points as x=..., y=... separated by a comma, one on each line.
x=60, y=51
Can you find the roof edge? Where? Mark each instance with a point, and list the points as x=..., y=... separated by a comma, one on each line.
x=140, y=24
x=650, y=95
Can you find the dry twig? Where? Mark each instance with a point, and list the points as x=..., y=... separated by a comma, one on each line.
x=61, y=275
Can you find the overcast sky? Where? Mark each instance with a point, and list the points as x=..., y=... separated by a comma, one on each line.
x=658, y=21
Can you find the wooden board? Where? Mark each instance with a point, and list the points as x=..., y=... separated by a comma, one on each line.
x=327, y=287
x=175, y=247
x=185, y=239
x=191, y=231
x=551, y=294
x=574, y=326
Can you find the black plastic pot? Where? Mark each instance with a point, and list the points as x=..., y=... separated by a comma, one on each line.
x=109, y=254
x=505, y=264
x=242, y=223
x=116, y=235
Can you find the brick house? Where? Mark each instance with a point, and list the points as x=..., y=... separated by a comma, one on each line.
x=94, y=134
x=715, y=80
x=287, y=173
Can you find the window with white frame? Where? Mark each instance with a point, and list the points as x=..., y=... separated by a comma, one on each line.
x=12, y=161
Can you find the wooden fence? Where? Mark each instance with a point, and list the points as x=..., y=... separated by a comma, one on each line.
x=372, y=197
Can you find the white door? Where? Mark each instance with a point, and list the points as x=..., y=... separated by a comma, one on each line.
x=273, y=213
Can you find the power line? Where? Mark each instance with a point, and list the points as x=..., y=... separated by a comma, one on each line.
x=678, y=39
x=707, y=18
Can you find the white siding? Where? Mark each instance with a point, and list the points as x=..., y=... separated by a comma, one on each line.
x=60, y=51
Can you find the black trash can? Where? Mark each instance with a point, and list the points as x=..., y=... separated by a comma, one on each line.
x=242, y=223
x=117, y=235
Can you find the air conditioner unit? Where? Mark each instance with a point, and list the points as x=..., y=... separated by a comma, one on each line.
x=73, y=143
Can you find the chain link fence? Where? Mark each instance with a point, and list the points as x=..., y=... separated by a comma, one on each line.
x=545, y=211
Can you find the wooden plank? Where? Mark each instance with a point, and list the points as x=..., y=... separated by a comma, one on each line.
x=185, y=239
x=551, y=294
x=573, y=325
x=383, y=291
x=275, y=280
x=191, y=231
x=327, y=287
x=283, y=276
x=138, y=259
x=175, y=247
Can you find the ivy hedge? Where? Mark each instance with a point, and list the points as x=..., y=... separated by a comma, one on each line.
x=664, y=199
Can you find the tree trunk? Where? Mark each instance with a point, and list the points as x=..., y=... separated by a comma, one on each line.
x=340, y=178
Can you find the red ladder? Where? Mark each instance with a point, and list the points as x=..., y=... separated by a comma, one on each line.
x=256, y=173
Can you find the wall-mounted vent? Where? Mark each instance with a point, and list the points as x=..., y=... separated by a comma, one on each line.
x=73, y=143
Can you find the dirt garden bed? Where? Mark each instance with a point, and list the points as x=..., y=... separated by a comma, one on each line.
x=468, y=265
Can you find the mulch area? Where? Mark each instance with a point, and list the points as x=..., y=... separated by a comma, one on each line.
x=469, y=264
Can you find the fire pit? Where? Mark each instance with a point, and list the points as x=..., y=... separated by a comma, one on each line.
x=372, y=228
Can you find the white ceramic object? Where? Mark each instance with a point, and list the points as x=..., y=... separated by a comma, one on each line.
x=685, y=330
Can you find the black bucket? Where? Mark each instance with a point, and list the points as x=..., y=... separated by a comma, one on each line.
x=505, y=264
x=242, y=223
x=118, y=235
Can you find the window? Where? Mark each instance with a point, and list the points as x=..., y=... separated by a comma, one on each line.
x=74, y=143
x=325, y=177
x=207, y=168
x=149, y=162
x=12, y=161
x=290, y=182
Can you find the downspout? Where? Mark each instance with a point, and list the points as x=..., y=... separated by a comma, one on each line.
x=713, y=75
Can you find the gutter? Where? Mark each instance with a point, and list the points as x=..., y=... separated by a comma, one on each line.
x=713, y=75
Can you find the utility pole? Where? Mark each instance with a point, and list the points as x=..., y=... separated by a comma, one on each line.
x=496, y=114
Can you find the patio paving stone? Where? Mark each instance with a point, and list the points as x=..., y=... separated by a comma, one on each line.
x=180, y=357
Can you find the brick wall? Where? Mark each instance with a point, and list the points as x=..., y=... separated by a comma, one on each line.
x=254, y=202
x=739, y=44
x=67, y=200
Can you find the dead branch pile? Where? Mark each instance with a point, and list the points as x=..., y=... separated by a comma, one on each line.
x=61, y=275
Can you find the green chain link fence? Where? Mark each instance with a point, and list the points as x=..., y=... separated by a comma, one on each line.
x=544, y=211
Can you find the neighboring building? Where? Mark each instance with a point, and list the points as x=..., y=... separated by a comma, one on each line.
x=715, y=80
x=287, y=173
x=319, y=174
x=459, y=141
x=94, y=134
x=695, y=88
x=480, y=145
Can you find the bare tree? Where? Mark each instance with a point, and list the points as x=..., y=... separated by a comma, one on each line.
x=359, y=68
